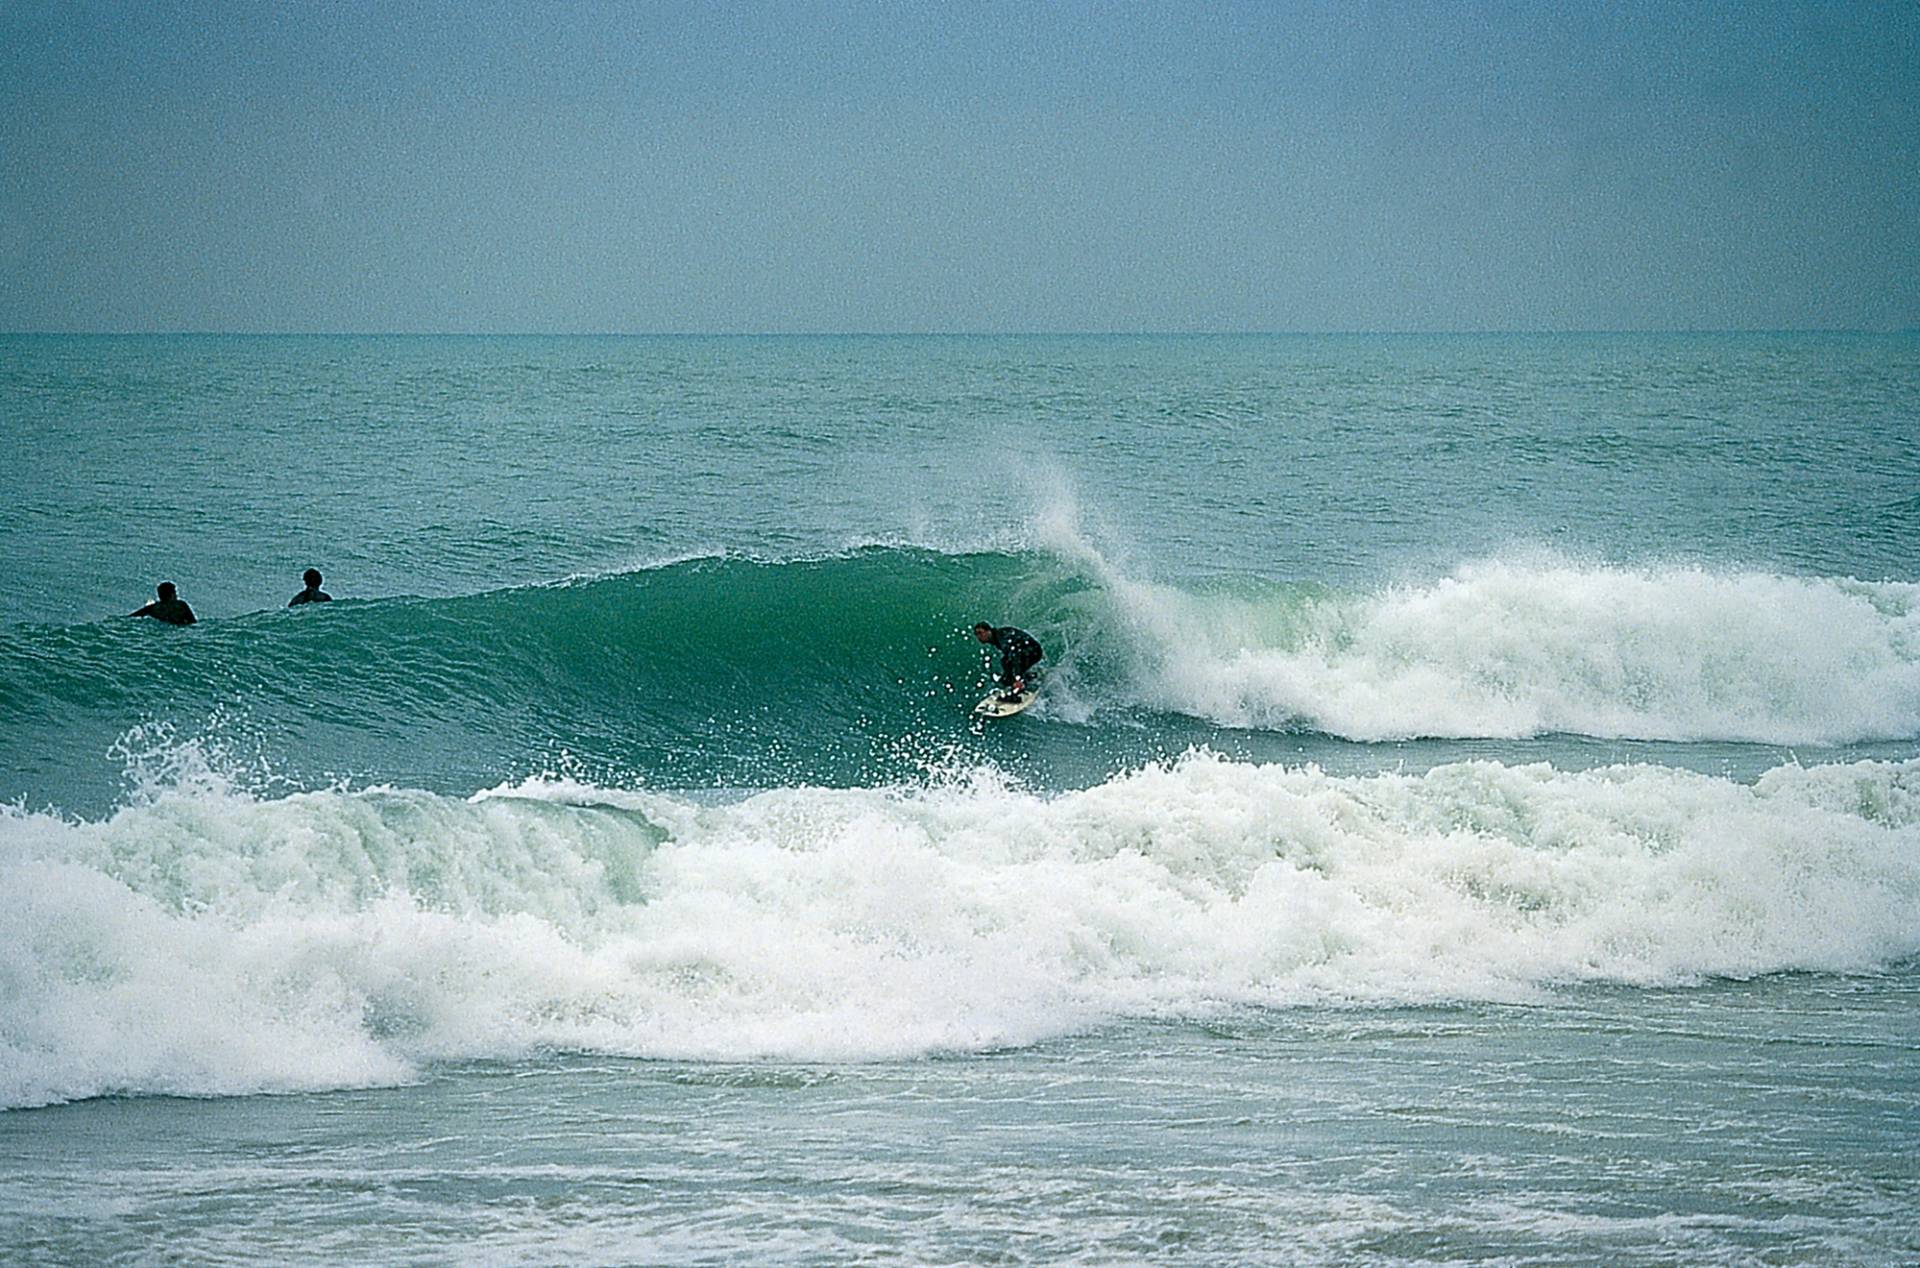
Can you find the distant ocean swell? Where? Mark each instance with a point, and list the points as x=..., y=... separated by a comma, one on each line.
x=801, y=648
x=201, y=940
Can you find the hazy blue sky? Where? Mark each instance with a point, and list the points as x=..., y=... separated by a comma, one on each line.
x=904, y=167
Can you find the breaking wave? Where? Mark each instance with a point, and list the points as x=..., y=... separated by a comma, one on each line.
x=204, y=940
x=797, y=654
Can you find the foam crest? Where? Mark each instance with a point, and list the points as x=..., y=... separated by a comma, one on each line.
x=1507, y=649
x=210, y=941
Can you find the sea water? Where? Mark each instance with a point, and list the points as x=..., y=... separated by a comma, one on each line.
x=1473, y=812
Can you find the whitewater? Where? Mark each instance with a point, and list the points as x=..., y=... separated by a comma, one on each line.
x=205, y=941
x=1473, y=811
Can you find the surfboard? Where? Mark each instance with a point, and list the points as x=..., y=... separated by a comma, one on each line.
x=995, y=706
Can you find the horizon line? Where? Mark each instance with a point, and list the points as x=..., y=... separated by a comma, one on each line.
x=1330, y=332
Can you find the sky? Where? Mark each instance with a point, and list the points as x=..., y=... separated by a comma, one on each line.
x=958, y=167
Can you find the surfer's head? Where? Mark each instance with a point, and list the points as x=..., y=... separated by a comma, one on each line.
x=165, y=590
x=983, y=631
x=312, y=577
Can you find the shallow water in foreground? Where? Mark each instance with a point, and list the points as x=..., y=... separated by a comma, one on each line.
x=1734, y=1123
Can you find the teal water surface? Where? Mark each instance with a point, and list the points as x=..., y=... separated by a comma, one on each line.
x=1473, y=811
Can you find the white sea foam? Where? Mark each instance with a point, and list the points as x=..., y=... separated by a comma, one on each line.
x=209, y=941
x=1520, y=648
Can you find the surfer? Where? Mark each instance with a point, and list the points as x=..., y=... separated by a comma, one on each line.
x=169, y=607
x=1019, y=651
x=313, y=593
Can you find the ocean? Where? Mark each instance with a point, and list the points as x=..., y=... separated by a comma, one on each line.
x=1472, y=812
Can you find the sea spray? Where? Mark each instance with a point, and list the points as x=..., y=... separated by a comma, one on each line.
x=1511, y=650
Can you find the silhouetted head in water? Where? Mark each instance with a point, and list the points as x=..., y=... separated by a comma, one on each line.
x=983, y=631
x=168, y=607
x=313, y=593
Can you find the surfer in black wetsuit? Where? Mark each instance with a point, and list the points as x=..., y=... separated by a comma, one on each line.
x=1019, y=651
x=313, y=593
x=168, y=607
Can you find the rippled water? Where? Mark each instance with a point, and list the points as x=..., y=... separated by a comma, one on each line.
x=1473, y=811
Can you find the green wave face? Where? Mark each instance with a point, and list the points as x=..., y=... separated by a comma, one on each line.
x=700, y=673
x=861, y=669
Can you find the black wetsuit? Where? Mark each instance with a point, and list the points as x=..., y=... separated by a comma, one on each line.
x=312, y=594
x=172, y=611
x=1019, y=651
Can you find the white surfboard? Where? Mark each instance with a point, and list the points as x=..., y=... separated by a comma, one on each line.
x=1000, y=705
